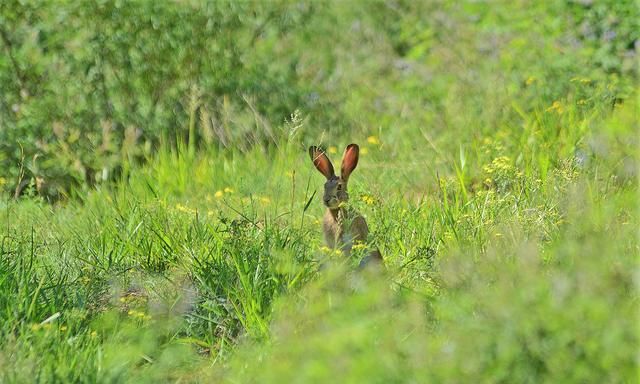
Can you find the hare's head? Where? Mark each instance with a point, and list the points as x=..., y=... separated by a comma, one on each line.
x=335, y=189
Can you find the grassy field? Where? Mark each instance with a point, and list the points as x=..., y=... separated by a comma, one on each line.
x=498, y=174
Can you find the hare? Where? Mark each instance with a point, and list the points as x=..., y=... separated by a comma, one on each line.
x=342, y=226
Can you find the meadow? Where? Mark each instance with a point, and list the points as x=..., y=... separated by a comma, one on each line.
x=160, y=215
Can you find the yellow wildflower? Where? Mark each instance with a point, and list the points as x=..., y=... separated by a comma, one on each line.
x=373, y=140
x=218, y=194
x=328, y=250
x=369, y=200
x=332, y=149
x=63, y=328
x=583, y=80
x=184, y=208
x=364, y=150
x=359, y=246
x=530, y=80
x=228, y=190
x=94, y=334
x=499, y=164
x=556, y=107
x=138, y=315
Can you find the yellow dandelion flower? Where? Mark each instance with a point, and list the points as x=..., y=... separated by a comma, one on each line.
x=332, y=149
x=218, y=194
x=210, y=213
x=63, y=328
x=556, y=107
x=94, y=334
x=228, y=190
x=530, y=80
x=359, y=246
x=324, y=248
x=373, y=140
x=364, y=150
x=369, y=200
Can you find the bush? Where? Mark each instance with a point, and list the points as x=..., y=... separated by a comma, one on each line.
x=91, y=88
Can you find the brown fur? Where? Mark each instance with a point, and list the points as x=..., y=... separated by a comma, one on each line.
x=342, y=227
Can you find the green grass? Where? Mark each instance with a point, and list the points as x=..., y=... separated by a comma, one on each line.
x=522, y=278
x=505, y=203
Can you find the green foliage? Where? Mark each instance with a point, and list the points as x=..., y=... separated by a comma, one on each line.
x=91, y=88
x=523, y=279
x=498, y=175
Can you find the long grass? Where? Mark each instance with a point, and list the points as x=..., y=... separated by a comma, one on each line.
x=505, y=203
x=494, y=270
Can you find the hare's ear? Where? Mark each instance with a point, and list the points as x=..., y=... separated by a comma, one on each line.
x=322, y=162
x=349, y=161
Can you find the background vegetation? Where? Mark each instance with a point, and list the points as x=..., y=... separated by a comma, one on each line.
x=159, y=213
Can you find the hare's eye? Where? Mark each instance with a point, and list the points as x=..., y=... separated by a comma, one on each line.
x=339, y=187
